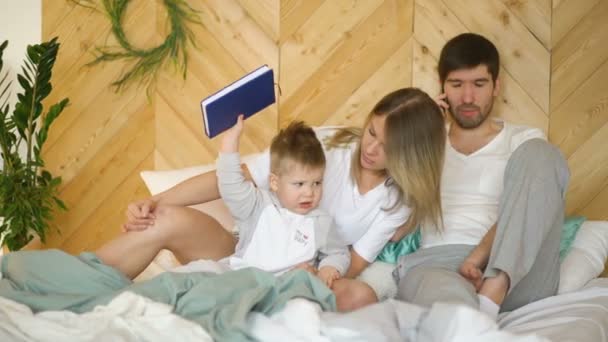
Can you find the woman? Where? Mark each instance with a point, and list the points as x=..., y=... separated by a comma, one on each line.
x=377, y=178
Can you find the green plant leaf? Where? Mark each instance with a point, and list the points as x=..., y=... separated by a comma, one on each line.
x=28, y=193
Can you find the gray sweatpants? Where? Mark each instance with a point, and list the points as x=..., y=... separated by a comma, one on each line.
x=526, y=245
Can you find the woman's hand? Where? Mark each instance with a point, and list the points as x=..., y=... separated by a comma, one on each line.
x=140, y=215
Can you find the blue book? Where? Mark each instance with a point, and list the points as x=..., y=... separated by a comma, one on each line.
x=248, y=95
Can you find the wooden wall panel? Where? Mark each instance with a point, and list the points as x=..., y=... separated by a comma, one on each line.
x=235, y=37
x=520, y=101
x=574, y=77
x=293, y=14
x=333, y=60
x=104, y=186
x=395, y=73
x=522, y=54
x=578, y=54
x=579, y=101
x=102, y=140
x=535, y=15
x=566, y=14
x=336, y=55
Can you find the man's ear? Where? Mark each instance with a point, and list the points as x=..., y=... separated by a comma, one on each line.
x=496, y=88
x=273, y=182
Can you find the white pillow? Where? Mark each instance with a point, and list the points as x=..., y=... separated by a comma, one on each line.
x=159, y=181
x=587, y=258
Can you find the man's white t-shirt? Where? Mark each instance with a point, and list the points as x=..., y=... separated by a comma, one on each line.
x=471, y=186
x=365, y=221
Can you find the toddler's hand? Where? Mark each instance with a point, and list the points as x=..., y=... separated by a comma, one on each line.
x=230, y=141
x=328, y=274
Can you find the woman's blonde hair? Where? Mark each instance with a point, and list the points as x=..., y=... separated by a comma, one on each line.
x=414, y=146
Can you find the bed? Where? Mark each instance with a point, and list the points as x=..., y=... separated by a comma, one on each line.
x=578, y=313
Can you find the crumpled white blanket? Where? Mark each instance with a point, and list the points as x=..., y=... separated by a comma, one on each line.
x=391, y=320
x=580, y=316
x=128, y=317
x=577, y=316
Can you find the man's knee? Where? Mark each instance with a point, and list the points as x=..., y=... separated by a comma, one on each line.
x=538, y=153
x=538, y=157
x=427, y=285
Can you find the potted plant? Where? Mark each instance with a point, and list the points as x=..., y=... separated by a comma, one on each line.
x=28, y=192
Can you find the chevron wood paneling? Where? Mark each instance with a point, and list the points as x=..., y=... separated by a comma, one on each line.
x=566, y=14
x=579, y=101
x=333, y=60
x=102, y=140
x=521, y=100
x=235, y=37
x=535, y=15
x=340, y=57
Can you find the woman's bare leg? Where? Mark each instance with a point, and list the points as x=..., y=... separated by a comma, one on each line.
x=352, y=294
x=188, y=233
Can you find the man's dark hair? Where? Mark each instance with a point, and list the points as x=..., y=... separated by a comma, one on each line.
x=467, y=51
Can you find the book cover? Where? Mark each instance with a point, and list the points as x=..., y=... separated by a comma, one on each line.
x=248, y=95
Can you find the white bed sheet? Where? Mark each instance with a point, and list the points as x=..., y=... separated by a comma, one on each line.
x=576, y=316
x=128, y=317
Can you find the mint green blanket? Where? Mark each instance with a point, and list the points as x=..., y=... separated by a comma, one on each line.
x=54, y=280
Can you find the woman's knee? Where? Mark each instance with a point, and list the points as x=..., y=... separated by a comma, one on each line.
x=191, y=234
x=353, y=294
x=175, y=221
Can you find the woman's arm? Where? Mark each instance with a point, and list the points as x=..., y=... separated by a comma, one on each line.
x=198, y=189
x=365, y=250
x=402, y=231
x=357, y=265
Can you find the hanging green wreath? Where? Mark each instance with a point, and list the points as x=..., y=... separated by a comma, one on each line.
x=147, y=62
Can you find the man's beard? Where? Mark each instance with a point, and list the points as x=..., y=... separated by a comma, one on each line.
x=470, y=122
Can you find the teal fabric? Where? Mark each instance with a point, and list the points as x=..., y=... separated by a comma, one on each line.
x=571, y=226
x=53, y=280
x=411, y=242
x=394, y=249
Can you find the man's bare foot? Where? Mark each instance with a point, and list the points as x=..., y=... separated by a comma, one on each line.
x=495, y=288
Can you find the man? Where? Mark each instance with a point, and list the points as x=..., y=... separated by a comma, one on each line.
x=502, y=198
